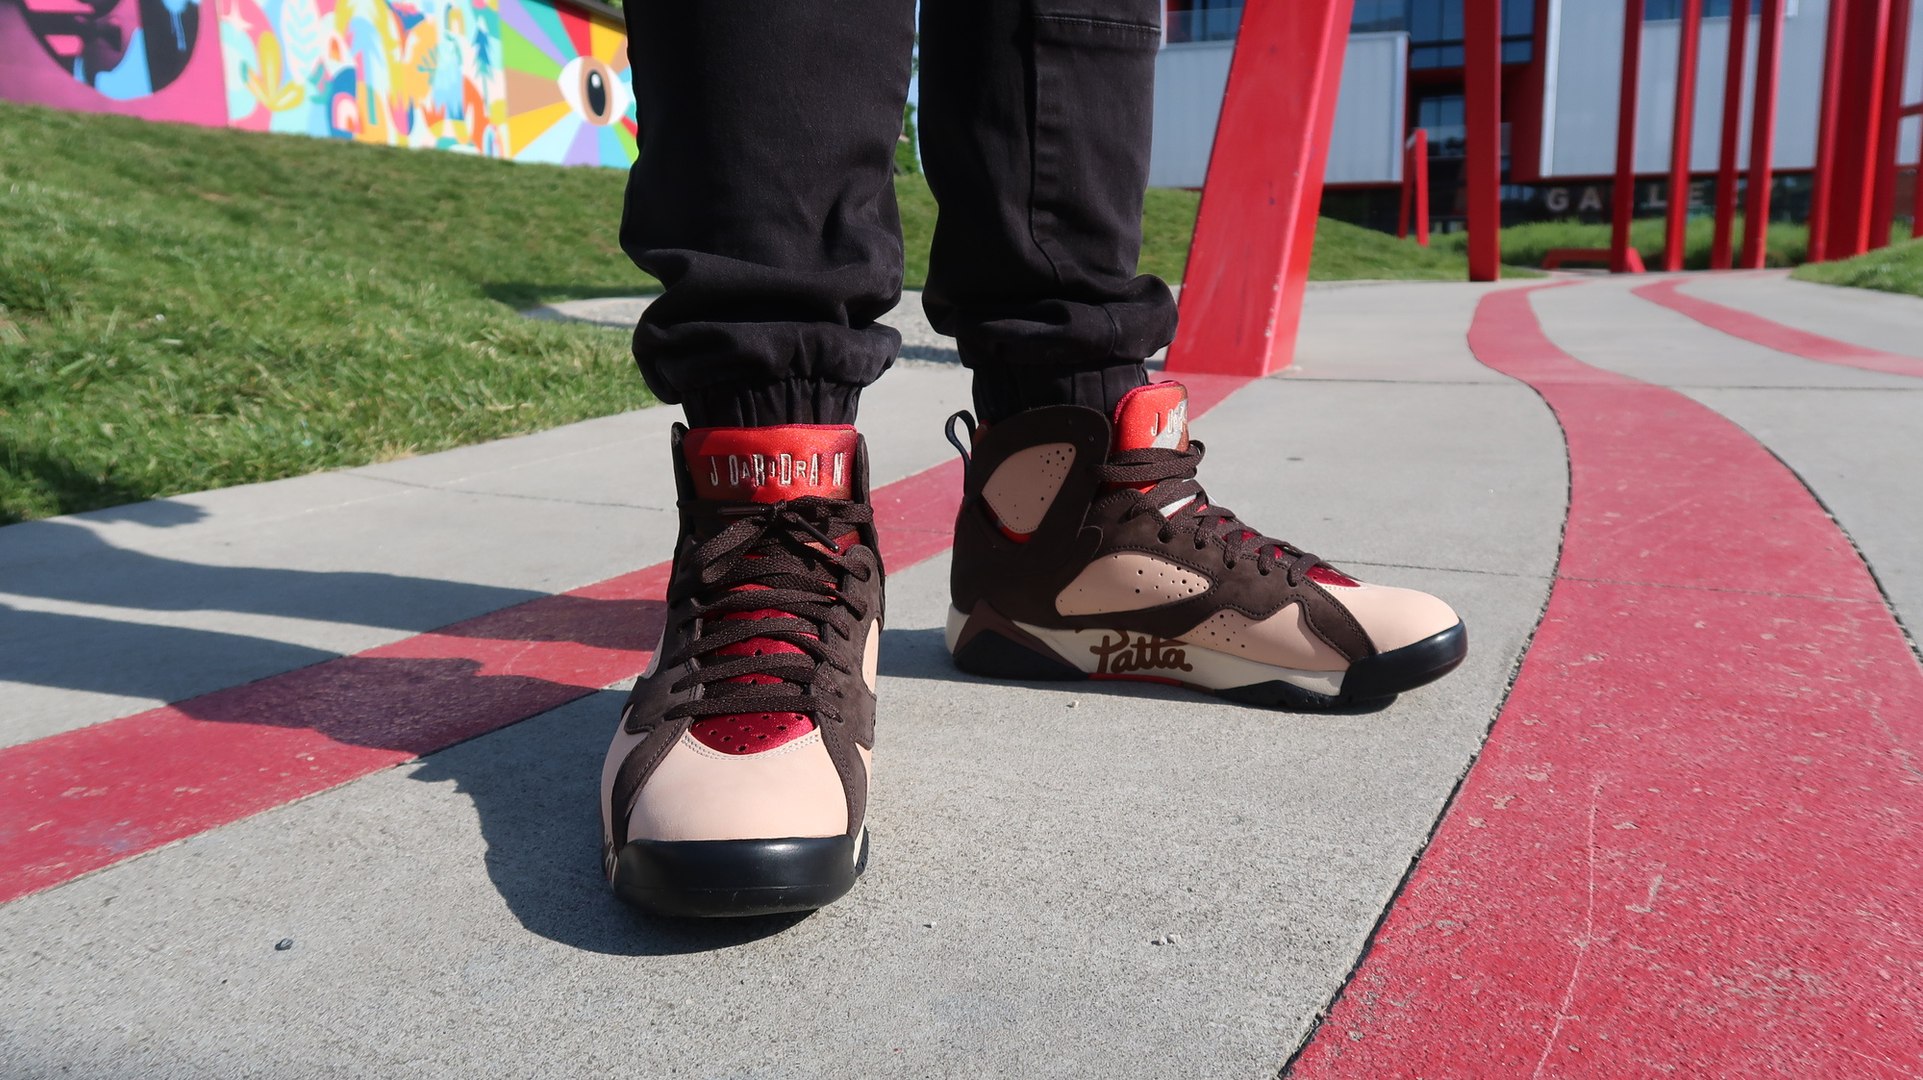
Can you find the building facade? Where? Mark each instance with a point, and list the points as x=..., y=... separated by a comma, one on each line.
x=1561, y=83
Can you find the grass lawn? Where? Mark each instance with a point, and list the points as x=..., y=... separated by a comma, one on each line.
x=184, y=308
x=1897, y=268
x=1526, y=245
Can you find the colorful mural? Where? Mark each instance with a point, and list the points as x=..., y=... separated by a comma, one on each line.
x=521, y=79
x=570, y=94
x=149, y=58
x=424, y=74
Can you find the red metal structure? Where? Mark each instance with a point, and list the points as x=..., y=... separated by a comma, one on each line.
x=1249, y=261
x=1720, y=256
x=1415, y=187
x=1916, y=211
x=1896, y=36
x=1852, y=118
x=1482, y=104
x=1623, y=214
x=1762, y=135
x=1825, y=174
x=1675, y=236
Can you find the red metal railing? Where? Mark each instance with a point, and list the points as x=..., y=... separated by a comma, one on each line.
x=1415, y=187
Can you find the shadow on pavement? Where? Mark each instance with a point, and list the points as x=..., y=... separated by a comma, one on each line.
x=106, y=655
x=536, y=789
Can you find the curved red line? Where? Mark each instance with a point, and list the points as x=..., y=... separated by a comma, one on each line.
x=1688, y=847
x=1774, y=335
x=85, y=799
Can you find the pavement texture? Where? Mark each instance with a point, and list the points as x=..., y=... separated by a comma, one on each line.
x=1066, y=880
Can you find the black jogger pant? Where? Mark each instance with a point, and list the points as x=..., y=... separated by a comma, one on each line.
x=763, y=198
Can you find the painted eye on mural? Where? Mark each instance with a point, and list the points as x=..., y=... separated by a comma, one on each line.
x=591, y=89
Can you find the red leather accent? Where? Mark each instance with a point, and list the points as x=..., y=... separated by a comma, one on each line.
x=750, y=733
x=1329, y=575
x=771, y=464
x=1147, y=413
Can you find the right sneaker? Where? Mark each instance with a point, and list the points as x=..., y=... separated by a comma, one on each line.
x=1085, y=549
x=737, y=783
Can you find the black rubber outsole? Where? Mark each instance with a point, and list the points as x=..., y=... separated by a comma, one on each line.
x=1384, y=675
x=706, y=879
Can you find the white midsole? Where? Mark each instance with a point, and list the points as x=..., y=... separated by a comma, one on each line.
x=1178, y=660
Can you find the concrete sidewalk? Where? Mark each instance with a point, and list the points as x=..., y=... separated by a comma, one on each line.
x=1068, y=880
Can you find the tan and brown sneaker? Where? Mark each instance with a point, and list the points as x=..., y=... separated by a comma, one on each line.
x=1086, y=550
x=737, y=782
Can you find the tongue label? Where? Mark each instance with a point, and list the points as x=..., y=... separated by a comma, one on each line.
x=781, y=470
x=771, y=464
x=1155, y=416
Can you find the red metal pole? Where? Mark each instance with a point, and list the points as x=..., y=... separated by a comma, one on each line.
x=1858, y=126
x=1822, y=183
x=1719, y=251
x=1421, y=154
x=1249, y=261
x=1408, y=189
x=1916, y=212
x=1762, y=135
x=1675, y=239
x=1883, y=205
x=1482, y=92
x=1624, y=211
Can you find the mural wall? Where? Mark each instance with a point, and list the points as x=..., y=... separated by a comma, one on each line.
x=521, y=79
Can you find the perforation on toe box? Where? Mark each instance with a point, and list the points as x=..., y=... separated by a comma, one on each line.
x=1128, y=581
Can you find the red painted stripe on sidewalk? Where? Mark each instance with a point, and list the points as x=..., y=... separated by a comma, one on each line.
x=84, y=799
x=1774, y=335
x=1689, y=845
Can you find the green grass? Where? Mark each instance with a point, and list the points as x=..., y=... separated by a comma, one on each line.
x=1897, y=268
x=183, y=308
x=1526, y=245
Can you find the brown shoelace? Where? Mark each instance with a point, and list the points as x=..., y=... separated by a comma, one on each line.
x=1172, y=476
x=787, y=557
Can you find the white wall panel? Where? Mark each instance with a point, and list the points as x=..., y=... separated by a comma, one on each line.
x=1581, y=106
x=1369, y=121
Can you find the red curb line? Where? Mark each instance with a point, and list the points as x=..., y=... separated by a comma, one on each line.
x=1688, y=846
x=85, y=799
x=1774, y=335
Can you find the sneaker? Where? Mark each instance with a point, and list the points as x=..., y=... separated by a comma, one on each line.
x=737, y=782
x=1086, y=550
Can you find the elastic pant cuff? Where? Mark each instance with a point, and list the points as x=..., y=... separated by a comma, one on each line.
x=793, y=401
x=1004, y=391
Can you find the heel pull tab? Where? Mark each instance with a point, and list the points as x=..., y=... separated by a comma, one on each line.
x=948, y=429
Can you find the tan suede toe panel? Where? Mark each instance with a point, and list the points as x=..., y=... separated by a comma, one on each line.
x=1394, y=617
x=1283, y=639
x=701, y=794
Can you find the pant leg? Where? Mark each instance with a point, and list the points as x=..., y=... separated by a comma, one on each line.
x=763, y=198
x=1035, y=121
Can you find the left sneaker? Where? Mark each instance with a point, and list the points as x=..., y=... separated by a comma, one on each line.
x=1087, y=550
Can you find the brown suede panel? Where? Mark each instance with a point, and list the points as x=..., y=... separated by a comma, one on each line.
x=1022, y=580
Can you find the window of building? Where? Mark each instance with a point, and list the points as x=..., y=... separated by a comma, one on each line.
x=1661, y=10
x=1436, y=32
x=1203, y=20
x=1444, y=117
x=1376, y=16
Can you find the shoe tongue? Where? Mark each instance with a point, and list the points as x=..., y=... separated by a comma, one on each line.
x=771, y=464
x=1156, y=415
